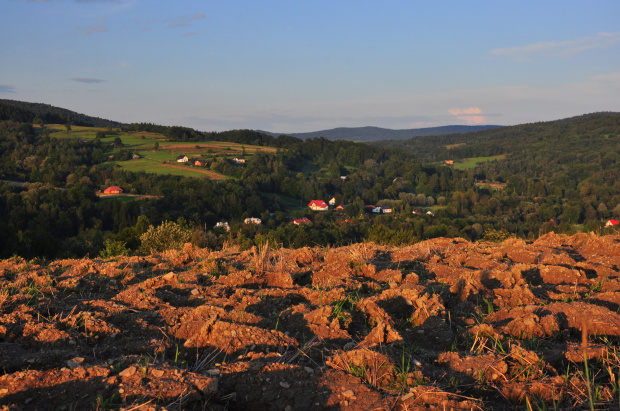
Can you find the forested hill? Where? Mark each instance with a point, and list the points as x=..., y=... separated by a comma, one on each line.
x=24, y=112
x=368, y=134
x=596, y=133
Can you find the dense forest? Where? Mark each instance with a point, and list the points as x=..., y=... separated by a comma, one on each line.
x=558, y=176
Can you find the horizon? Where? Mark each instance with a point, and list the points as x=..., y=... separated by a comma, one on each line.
x=306, y=68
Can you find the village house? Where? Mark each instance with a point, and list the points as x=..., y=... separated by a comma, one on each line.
x=135, y=156
x=239, y=160
x=612, y=223
x=332, y=202
x=223, y=224
x=343, y=178
x=340, y=208
x=382, y=210
x=113, y=190
x=252, y=220
x=301, y=221
x=182, y=159
x=318, y=205
x=450, y=162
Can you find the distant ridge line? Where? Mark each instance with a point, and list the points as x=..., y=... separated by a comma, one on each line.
x=369, y=133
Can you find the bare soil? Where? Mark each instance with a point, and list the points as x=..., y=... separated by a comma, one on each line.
x=443, y=324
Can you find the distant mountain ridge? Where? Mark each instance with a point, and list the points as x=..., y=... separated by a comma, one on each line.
x=366, y=134
x=22, y=111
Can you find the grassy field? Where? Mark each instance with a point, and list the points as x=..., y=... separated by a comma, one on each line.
x=143, y=143
x=468, y=163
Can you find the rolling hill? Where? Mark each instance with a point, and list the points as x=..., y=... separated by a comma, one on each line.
x=21, y=111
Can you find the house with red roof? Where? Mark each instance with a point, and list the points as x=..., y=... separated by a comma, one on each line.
x=113, y=190
x=301, y=221
x=318, y=205
x=612, y=223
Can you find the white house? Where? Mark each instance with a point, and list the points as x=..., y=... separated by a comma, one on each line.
x=239, y=160
x=252, y=220
x=182, y=159
x=224, y=225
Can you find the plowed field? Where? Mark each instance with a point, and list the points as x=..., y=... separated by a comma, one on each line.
x=444, y=324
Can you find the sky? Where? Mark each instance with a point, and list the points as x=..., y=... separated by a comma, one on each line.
x=297, y=66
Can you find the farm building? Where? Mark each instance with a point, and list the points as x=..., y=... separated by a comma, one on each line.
x=182, y=159
x=113, y=190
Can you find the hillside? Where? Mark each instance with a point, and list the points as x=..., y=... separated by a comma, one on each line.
x=24, y=112
x=582, y=134
x=443, y=324
x=369, y=134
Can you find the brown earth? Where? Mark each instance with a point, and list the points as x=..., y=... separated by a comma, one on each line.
x=443, y=324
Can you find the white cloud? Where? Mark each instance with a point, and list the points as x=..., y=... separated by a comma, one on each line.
x=470, y=115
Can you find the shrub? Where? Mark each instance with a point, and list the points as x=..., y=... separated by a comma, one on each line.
x=113, y=248
x=169, y=235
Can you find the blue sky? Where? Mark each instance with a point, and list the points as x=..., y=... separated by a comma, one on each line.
x=292, y=66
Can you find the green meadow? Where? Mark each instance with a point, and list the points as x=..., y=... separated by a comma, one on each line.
x=471, y=162
x=152, y=161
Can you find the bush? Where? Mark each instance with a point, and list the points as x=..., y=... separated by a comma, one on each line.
x=496, y=236
x=113, y=248
x=169, y=235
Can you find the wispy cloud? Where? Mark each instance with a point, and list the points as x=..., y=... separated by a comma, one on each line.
x=186, y=21
x=87, y=80
x=560, y=48
x=97, y=28
x=471, y=115
x=5, y=88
